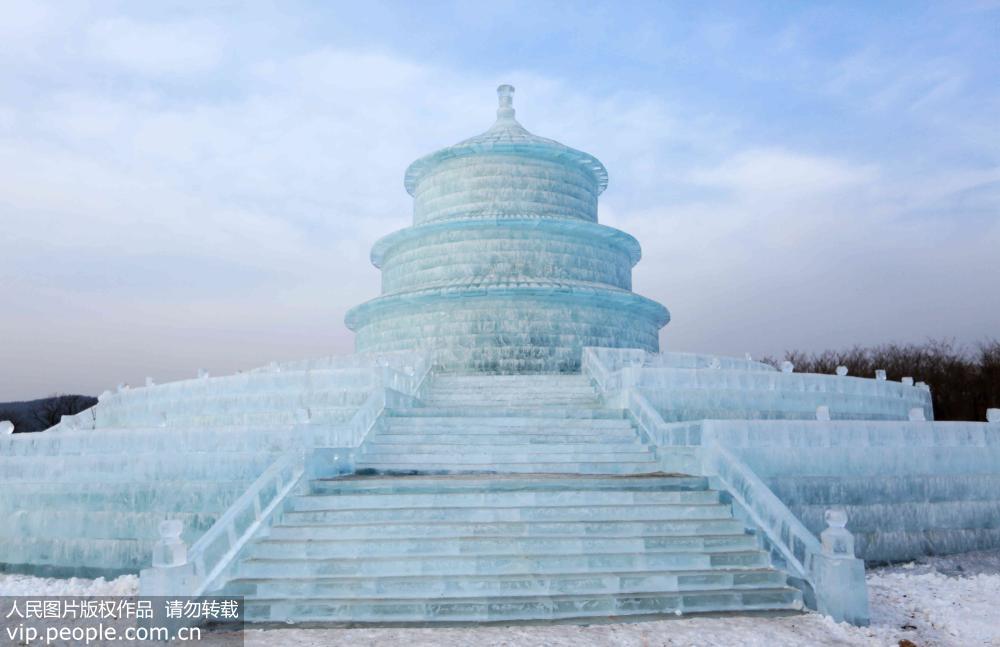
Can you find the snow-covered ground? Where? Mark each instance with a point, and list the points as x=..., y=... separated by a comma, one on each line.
x=28, y=585
x=948, y=601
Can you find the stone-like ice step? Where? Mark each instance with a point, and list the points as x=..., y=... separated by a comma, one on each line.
x=596, y=467
x=502, y=499
x=512, y=395
x=479, y=484
x=479, y=379
x=473, y=424
x=207, y=496
x=540, y=386
x=896, y=459
x=324, y=415
x=485, y=454
x=583, y=529
x=512, y=400
x=250, y=402
x=136, y=466
x=98, y=524
x=878, y=546
x=872, y=489
x=375, y=547
x=75, y=557
x=478, y=586
x=909, y=516
x=175, y=439
x=508, y=609
x=524, y=564
x=562, y=413
x=501, y=456
x=380, y=438
x=578, y=513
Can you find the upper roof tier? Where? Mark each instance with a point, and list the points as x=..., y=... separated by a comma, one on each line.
x=507, y=137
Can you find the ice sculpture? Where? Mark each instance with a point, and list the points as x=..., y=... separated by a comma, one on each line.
x=505, y=268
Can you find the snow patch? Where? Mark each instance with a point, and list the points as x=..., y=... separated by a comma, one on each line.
x=28, y=585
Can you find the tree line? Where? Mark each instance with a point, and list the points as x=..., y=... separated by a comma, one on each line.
x=964, y=381
x=39, y=415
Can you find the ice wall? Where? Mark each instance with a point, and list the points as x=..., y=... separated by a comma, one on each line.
x=909, y=488
x=680, y=394
x=87, y=497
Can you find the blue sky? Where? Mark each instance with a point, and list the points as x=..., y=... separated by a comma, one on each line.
x=197, y=185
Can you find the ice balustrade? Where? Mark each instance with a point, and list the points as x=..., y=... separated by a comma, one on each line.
x=326, y=390
x=204, y=567
x=703, y=360
x=194, y=571
x=832, y=580
x=404, y=361
x=229, y=399
x=858, y=448
x=684, y=394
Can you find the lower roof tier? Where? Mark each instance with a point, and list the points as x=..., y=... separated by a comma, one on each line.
x=496, y=251
x=509, y=329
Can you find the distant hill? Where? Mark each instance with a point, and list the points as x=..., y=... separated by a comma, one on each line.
x=39, y=415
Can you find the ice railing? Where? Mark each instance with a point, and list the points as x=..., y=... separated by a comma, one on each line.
x=403, y=361
x=177, y=571
x=334, y=386
x=702, y=360
x=729, y=388
x=832, y=577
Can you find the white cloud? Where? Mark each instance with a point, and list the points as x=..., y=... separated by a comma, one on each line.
x=152, y=229
x=788, y=174
x=182, y=48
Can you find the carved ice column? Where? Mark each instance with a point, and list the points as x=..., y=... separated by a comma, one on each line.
x=171, y=573
x=840, y=576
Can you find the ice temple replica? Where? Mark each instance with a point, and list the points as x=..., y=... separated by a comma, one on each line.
x=507, y=444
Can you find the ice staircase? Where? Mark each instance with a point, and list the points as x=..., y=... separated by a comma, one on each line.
x=505, y=499
x=491, y=548
x=507, y=424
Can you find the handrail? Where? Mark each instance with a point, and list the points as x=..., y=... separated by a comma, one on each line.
x=836, y=580
x=797, y=545
x=284, y=474
x=191, y=572
x=608, y=382
x=367, y=415
x=198, y=570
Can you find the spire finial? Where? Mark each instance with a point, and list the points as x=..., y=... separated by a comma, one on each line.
x=505, y=97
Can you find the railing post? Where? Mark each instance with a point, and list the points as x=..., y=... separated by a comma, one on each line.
x=839, y=576
x=171, y=573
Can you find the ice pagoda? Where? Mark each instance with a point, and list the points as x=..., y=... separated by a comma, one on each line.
x=505, y=268
x=508, y=444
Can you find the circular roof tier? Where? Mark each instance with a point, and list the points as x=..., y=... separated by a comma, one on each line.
x=568, y=227
x=507, y=137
